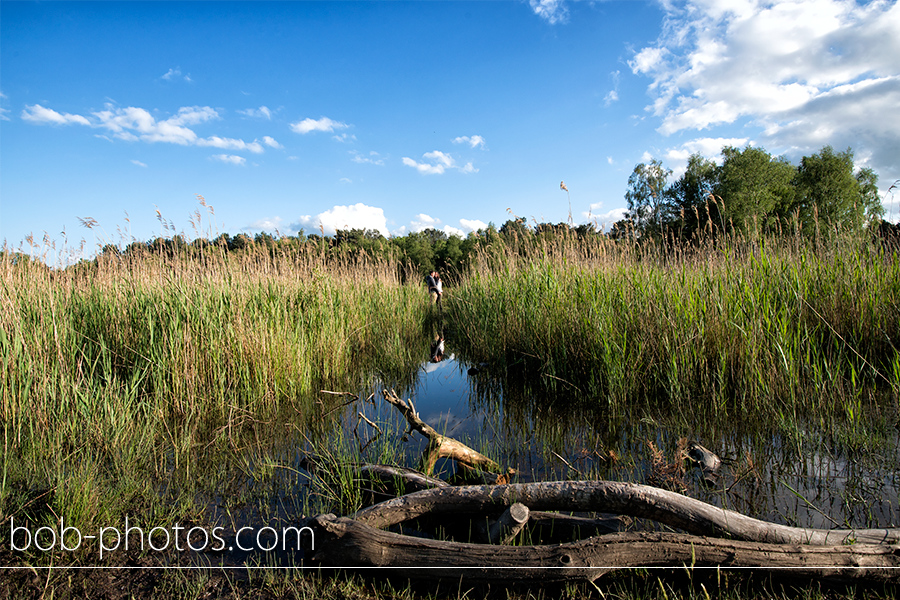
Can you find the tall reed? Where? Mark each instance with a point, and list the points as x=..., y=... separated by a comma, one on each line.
x=121, y=378
x=734, y=327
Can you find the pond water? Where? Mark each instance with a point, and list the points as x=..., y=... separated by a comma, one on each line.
x=797, y=473
x=794, y=473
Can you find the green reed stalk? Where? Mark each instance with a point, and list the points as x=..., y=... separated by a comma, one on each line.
x=747, y=329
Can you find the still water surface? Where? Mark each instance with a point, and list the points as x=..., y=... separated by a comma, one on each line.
x=797, y=474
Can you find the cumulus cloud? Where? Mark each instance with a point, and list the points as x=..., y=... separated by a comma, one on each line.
x=437, y=163
x=423, y=222
x=373, y=158
x=3, y=111
x=138, y=124
x=272, y=224
x=231, y=144
x=260, y=113
x=613, y=95
x=271, y=143
x=474, y=141
x=173, y=74
x=552, y=11
x=357, y=216
x=808, y=72
x=40, y=115
x=604, y=220
x=231, y=159
x=323, y=124
x=710, y=148
x=470, y=225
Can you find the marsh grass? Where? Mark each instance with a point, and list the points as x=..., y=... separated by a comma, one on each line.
x=169, y=388
x=735, y=328
x=131, y=385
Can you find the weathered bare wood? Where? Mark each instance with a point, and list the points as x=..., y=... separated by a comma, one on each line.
x=439, y=446
x=342, y=542
x=675, y=510
x=411, y=479
x=551, y=527
x=708, y=462
x=505, y=529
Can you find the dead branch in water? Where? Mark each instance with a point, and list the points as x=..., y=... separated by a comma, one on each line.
x=440, y=446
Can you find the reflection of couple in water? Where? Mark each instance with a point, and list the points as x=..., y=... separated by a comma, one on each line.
x=437, y=350
x=436, y=290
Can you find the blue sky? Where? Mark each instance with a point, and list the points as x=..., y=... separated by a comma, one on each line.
x=398, y=116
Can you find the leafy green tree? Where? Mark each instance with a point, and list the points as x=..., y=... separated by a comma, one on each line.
x=645, y=196
x=751, y=186
x=873, y=209
x=688, y=197
x=828, y=191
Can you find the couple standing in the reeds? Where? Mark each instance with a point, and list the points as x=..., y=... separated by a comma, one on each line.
x=435, y=287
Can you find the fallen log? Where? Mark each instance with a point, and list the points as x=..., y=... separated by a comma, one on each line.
x=348, y=543
x=688, y=514
x=440, y=446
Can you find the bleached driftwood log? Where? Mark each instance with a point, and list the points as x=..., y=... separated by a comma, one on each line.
x=632, y=499
x=343, y=542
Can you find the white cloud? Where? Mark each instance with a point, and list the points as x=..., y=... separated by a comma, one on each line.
x=423, y=222
x=807, y=72
x=552, y=11
x=38, y=114
x=266, y=224
x=357, y=216
x=323, y=124
x=260, y=113
x=373, y=158
x=606, y=219
x=473, y=141
x=438, y=163
x=173, y=74
x=613, y=95
x=133, y=123
x=472, y=224
x=230, y=159
x=709, y=148
x=424, y=168
x=230, y=144
x=3, y=111
x=344, y=137
x=139, y=163
x=271, y=143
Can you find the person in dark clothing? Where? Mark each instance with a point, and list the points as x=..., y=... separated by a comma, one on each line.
x=435, y=287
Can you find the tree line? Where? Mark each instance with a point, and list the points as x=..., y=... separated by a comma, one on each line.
x=751, y=191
